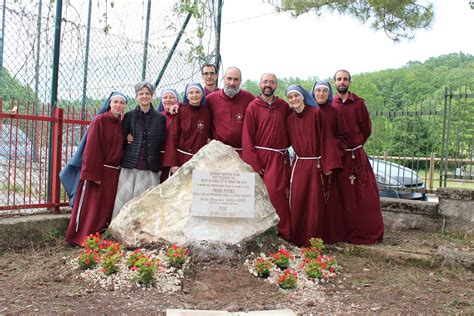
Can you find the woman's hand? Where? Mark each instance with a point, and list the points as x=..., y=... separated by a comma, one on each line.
x=130, y=138
x=174, y=109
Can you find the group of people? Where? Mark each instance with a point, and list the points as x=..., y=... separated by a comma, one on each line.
x=328, y=190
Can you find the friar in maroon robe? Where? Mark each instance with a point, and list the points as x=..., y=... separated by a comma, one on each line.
x=363, y=221
x=228, y=108
x=265, y=145
x=335, y=133
x=97, y=187
x=315, y=156
x=209, y=77
x=189, y=128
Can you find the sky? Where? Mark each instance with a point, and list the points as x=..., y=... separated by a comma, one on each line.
x=257, y=40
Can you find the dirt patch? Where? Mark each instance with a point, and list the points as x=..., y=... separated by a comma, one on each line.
x=39, y=280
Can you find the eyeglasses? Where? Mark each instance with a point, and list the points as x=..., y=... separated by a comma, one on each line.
x=208, y=73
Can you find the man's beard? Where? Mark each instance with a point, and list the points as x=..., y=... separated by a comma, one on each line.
x=268, y=91
x=342, y=89
x=231, y=92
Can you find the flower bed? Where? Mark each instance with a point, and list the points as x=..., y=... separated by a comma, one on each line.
x=106, y=264
x=295, y=267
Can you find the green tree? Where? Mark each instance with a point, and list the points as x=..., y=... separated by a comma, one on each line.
x=12, y=89
x=398, y=19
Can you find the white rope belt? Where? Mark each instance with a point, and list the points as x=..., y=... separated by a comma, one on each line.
x=162, y=151
x=351, y=150
x=112, y=167
x=294, y=167
x=281, y=151
x=184, y=152
x=81, y=200
x=354, y=149
x=302, y=158
x=238, y=149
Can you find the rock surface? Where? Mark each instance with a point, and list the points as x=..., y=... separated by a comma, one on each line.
x=163, y=213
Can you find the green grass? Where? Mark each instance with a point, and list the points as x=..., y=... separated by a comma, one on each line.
x=424, y=174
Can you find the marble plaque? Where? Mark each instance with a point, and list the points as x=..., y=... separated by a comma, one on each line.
x=223, y=194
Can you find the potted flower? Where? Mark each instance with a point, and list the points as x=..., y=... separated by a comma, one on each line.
x=111, y=255
x=282, y=258
x=176, y=255
x=263, y=267
x=92, y=242
x=323, y=267
x=331, y=263
x=314, y=250
x=314, y=268
x=288, y=279
x=89, y=259
x=110, y=263
x=134, y=257
x=146, y=268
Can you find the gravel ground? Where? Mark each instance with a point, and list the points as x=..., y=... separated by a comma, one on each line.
x=45, y=279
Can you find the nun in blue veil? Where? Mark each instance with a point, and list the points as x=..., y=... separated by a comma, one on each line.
x=71, y=172
x=315, y=160
x=99, y=173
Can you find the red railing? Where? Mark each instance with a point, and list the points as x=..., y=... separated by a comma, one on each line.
x=29, y=161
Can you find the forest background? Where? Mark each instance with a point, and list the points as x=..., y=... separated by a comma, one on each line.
x=406, y=104
x=392, y=94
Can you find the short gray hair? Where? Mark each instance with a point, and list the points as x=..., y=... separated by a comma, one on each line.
x=144, y=84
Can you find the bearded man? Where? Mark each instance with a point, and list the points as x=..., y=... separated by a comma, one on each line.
x=228, y=108
x=265, y=145
x=363, y=223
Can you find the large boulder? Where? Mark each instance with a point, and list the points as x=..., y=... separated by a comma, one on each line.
x=163, y=213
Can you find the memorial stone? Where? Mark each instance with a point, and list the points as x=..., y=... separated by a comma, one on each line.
x=165, y=213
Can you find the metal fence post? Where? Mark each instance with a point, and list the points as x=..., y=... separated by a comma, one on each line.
x=37, y=74
x=443, y=139
x=56, y=158
x=86, y=61
x=54, y=89
x=145, y=42
x=2, y=39
x=173, y=48
x=432, y=168
x=218, y=34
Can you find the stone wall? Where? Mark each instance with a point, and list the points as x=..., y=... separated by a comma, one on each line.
x=18, y=232
x=456, y=206
x=454, y=213
x=399, y=214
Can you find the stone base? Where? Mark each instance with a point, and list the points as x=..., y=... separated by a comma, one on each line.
x=18, y=232
x=401, y=214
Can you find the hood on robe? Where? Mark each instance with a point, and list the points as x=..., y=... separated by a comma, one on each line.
x=71, y=172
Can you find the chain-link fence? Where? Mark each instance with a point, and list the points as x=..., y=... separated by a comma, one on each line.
x=109, y=54
x=105, y=45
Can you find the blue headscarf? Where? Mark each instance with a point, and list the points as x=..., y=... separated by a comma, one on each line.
x=307, y=98
x=194, y=85
x=161, y=108
x=326, y=84
x=71, y=173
